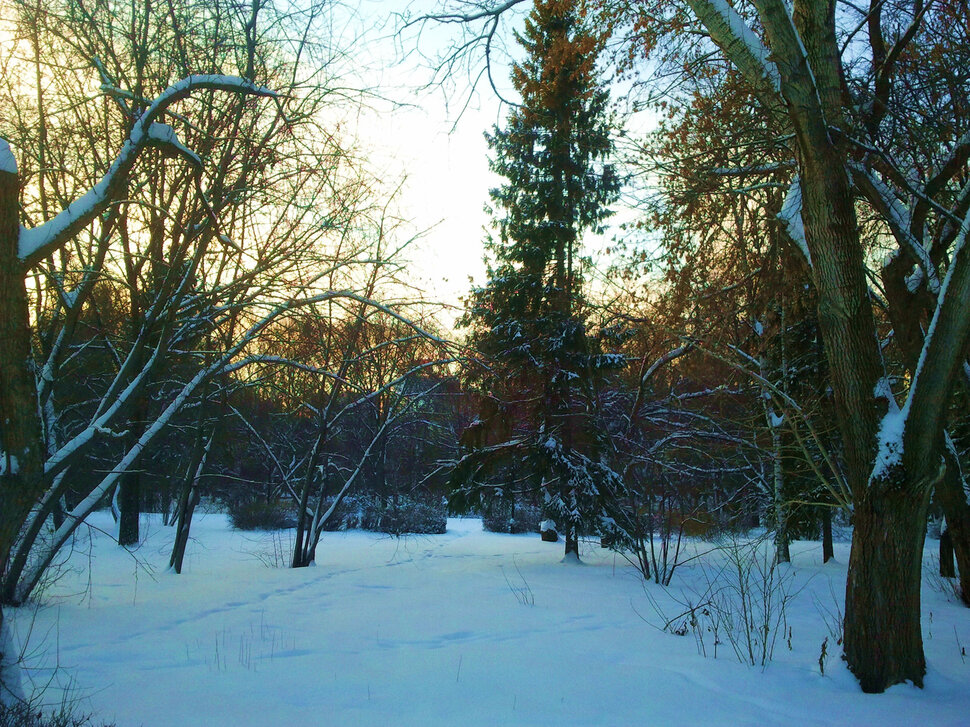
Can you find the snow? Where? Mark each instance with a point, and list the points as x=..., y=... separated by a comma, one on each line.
x=747, y=36
x=890, y=441
x=915, y=279
x=899, y=218
x=891, y=430
x=165, y=135
x=8, y=163
x=429, y=630
x=791, y=216
x=14, y=464
x=36, y=241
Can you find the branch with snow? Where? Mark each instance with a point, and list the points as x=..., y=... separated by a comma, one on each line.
x=740, y=44
x=898, y=217
x=37, y=243
x=943, y=355
x=791, y=217
x=8, y=162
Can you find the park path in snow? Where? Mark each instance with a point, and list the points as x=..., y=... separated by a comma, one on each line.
x=466, y=628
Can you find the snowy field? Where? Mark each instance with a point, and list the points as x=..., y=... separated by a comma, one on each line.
x=466, y=628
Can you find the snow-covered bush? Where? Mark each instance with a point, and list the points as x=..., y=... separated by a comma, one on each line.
x=507, y=518
x=406, y=515
x=395, y=516
x=260, y=515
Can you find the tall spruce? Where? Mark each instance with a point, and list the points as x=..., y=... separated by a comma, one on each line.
x=535, y=437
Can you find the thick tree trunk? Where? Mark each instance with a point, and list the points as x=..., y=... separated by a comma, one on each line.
x=572, y=544
x=906, y=311
x=21, y=443
x=883, y=643
x=883, y=636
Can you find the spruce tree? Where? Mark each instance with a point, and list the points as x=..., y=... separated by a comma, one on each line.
x=529, y=320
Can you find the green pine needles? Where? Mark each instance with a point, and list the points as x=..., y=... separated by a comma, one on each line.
x=536, y=439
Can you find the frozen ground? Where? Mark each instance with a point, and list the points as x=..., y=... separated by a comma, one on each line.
x=467, y=628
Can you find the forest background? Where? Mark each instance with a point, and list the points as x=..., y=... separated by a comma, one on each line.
x=203, y=286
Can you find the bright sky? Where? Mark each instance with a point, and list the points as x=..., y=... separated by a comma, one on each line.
x=436, y=140
x=439, y=147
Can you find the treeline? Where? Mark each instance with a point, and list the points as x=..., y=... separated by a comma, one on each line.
x=201, y=276
x=201, y=294
x=804, y=199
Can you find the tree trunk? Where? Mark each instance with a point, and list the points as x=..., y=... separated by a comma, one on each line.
x=129, y=496
x=782, y=552
x=954, y=500
x=883, y=637
x=21, y=443
x=828, y=552
x=301, y=552
x=572, y=543
x=947, y=566
x=129, y=500
x=187, y=503
x=189, y=499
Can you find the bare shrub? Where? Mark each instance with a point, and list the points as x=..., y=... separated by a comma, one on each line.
x=741, y=601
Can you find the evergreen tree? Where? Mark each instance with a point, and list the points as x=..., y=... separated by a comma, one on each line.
x=529, y=320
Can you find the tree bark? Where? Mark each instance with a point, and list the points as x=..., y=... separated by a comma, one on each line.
x=883, y=635
x=302, y=549
x=572, y=543
x=947, y=566
x=828, y=552
x=189, y=497
x=782, y=551
x=952, y=497
x=21, y=443
x=909, y=314
x=129, y=501
x=883, y=642
x=187, y=502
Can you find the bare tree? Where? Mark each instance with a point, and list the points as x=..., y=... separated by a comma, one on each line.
x=229, y=228
x=792, y=59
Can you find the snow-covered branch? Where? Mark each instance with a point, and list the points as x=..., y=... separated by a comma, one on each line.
x=39, y=242
x=740, y=44
x=791, y=217
x=897, y=216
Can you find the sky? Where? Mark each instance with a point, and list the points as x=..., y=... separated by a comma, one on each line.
x=433, y=140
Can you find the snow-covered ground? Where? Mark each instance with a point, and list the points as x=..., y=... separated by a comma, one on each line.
x=466, y=628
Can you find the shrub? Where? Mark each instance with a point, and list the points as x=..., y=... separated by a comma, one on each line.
x=409, y=516
x=742, y=601
x=259, y=515
x=24, y=714
x=508, y=519
x=395, y=516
